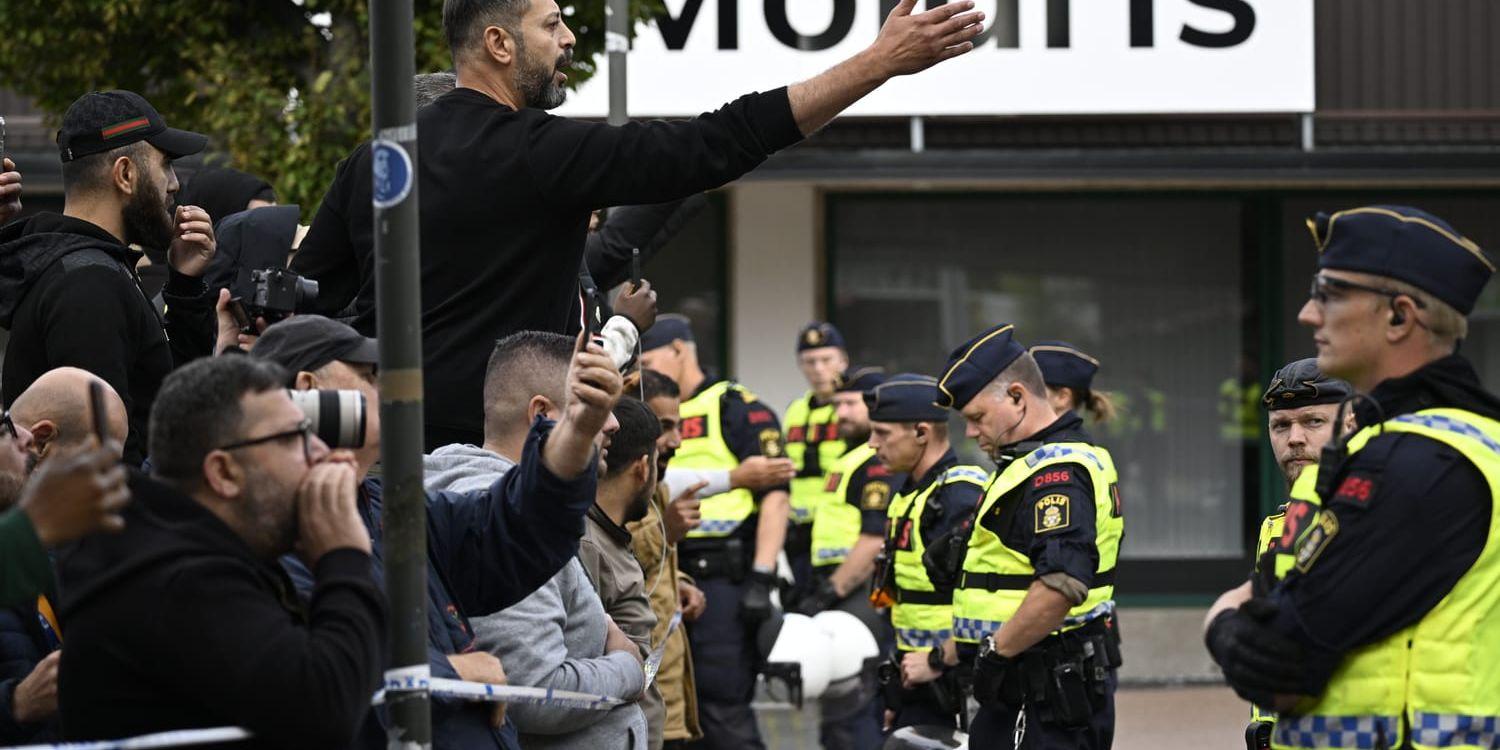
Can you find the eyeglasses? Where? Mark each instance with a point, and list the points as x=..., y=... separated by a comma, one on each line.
x=8, y=425
x=1322, y=285
x=303, y=430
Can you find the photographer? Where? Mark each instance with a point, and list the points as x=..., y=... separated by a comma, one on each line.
x=507, y=189
x=184, y=619
x=487, y=549
x=68, y=290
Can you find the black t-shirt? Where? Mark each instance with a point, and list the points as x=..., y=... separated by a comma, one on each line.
x=1412, y=516
x=505, y=200
x=1050, y=516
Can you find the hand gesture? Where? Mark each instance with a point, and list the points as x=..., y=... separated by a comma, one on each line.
x=10, y=191
x=594, y=387
x=327, y=516
x=638, y=304
x=684, y=513
x=911, y=42
x=193, y=245
x=759, y=473
x=76, y=494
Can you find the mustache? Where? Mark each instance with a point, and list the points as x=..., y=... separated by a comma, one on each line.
x=565, y=59
x=1299, y=456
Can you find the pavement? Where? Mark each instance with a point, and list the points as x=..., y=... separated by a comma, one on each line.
x=1147, y=718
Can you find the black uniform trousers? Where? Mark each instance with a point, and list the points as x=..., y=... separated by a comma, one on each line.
x=994, y=727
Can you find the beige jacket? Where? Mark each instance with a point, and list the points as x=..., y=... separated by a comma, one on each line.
x=675, y=677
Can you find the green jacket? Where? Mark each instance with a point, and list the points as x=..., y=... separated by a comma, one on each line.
x=25, y=570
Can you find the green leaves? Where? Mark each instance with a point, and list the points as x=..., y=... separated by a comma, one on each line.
x=279, y=95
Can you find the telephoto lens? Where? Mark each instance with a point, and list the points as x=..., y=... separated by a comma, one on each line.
x=338, y=417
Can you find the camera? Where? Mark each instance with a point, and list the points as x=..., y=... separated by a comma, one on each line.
x=337, y=417
x=277, y=293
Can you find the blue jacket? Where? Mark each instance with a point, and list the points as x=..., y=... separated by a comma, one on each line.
x=486, y=550
x=22, y=646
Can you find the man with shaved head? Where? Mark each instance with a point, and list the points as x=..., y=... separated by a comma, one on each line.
x=55, y=408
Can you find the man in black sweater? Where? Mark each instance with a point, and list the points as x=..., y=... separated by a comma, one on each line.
x=185, y=620
x=506, y=189
x=69, y=294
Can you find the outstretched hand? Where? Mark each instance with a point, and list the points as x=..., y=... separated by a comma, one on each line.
x=911, y=42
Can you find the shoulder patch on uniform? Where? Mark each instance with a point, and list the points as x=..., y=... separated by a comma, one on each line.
x=1056, y=476
x=834, y=478
x=877, y=496
x=1053, y=512
x=761, y=416
x=770, y=444
x=1325, y=528
x=1356, y=489
x=694, y=427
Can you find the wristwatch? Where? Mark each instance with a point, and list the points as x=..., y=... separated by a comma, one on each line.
x=988, y=653
x=935, y=660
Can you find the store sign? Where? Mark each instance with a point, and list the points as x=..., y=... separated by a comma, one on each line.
x=1037, y=57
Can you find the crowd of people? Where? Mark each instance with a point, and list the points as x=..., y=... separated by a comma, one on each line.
x=192, y=531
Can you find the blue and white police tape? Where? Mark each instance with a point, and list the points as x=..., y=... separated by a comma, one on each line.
x=653, y=662
x=179, y=738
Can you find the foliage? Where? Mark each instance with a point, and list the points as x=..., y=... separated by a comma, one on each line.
x=281, y=96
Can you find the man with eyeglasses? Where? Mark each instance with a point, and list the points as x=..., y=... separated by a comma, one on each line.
x=487, y=549
x=1383, y=633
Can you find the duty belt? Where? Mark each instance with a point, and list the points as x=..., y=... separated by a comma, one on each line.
x=726, y=558
x=1020, y=582
x=912, y=596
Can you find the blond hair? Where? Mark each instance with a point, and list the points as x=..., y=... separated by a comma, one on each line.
x=1446, y=324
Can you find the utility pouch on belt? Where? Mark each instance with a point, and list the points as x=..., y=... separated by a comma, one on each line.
x=1069, y=696
x=889, y=676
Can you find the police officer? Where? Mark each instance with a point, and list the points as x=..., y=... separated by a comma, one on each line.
x=732, y=554
x=1303, y=406
x=1040, y=558
x=909, y=433
x=1383, y=632
x=812, y=440
x=1069, y=375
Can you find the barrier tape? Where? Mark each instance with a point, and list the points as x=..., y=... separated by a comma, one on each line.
x=653, y=662
x=178, y=738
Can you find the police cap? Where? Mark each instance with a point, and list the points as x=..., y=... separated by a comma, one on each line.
x=973, y=365
x=907, y=397
x=1406, y=244
x=668, y=328
x=861, y=379
x=1301, y=384
x=818, y=335
x=1065, y=365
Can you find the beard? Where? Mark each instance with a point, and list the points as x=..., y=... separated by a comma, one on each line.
x=537, y=79
x=148, y=223
x=268, y=515
x=11, y=485
x=640, y=506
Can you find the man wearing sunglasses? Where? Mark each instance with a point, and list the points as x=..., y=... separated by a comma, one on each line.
x=1382, y=632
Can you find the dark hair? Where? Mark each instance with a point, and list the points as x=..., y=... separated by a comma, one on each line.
x=524, y=364
x=464, y=21
x=430, y=86
x=88, y=173
x=198, y=409
x=639, y=429
x=657, y=385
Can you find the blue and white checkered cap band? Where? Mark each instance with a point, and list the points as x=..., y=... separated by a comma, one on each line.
x=1359, y=732
x=965, y=472
x=1048, y=452
x=717, y=527
x=1455, y=730
x=830, y=554
x=966, y=629
x=916, y=638
x=1449, y=424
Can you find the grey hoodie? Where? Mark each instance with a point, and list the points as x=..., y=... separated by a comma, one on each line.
x=554, y=638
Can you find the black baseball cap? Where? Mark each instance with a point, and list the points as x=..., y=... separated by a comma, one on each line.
x=100, y=121
x=304, y=343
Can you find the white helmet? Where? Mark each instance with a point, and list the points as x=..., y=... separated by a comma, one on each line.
x=851, y=642
x=803, y=643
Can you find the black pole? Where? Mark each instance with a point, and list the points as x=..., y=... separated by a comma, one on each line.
x=399, y=318
x=617, y=44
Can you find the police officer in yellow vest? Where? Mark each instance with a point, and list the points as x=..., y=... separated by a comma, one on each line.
x=1384, y=633
x=909, y=433
x=732, y=554
x=1035, y=593
x=812, y=440
x=1303, y=406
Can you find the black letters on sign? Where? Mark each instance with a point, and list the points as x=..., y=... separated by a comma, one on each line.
x=838, y=28
x=1142, y=23
x=1003, y=26
x=674, y=31
x=1244, y=25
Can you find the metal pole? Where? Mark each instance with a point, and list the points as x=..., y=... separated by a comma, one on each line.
x=399, y=318
x=617, y=44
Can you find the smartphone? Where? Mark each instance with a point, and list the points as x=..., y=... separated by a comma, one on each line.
x=98, y=411
x=635, y=268
x=2, y=141
x=241, y=316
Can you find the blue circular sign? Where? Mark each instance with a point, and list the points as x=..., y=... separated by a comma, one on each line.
x=391, y=169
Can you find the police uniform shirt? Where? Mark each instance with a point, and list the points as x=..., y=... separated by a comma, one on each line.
x=870, y=489
x=749, y=428
x=950, y=506
x=1413, y=515
x=1050, y=518
x=813, y=436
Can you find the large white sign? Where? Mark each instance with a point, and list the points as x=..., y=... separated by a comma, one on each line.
x=1037, y=57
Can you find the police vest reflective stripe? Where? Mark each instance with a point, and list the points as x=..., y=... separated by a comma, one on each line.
x=996, y=577
x=704, y=447
x=1270, y=530
x=836, y=522
x=1439, y=679
x=817, y=429
x=921, y=625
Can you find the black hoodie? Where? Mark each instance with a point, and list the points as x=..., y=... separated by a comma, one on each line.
x=69, y=297
x=175, y=624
